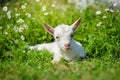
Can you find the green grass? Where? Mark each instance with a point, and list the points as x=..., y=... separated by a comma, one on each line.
x=102, y=43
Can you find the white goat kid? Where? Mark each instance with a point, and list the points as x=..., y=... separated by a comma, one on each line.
x=64, y=46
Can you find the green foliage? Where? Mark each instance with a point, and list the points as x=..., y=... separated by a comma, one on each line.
x=21, y=26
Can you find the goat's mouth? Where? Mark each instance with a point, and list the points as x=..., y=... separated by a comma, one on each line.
x=67, y=48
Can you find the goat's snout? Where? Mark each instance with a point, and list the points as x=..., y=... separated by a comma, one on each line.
x=67, y=46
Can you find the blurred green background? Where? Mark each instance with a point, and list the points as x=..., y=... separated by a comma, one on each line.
x=21, y=26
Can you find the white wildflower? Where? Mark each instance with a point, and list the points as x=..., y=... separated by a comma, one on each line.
x=28, y=14
x=6, y=33
x=98, y=12
x=37, y=0
x=21, y=29
x=99, y=24
x=107, y=9
x=115, y=4
x=17, y=14
x=20, y=20
x=16, y=29
x=23, y=6
x=44, y=8
x=16, y=41
x=111, y=10
x=22, y=37
x=25, y=26
x=46, y=13
x=53, y=5
x=104, y=17
x=5, y=8
x=9, y=14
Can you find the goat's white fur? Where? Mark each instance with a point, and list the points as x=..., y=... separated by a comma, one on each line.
x=62, y=34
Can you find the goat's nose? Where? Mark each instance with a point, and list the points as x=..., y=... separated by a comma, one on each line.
x=67, y=45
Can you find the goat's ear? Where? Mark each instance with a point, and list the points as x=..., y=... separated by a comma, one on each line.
x=76, y=24
x=48, y=28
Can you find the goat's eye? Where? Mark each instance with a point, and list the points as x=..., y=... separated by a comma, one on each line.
x=57, y=37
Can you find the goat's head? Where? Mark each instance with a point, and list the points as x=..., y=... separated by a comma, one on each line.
x=63, y=34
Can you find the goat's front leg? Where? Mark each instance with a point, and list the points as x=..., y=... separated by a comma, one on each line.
x=56, y=58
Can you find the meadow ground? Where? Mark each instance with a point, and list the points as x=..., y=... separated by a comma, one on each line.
x=21, y=26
